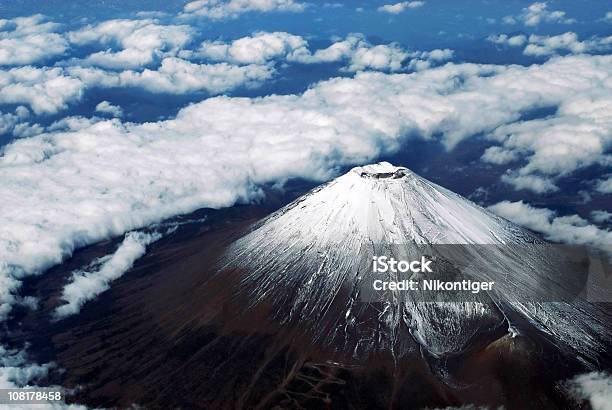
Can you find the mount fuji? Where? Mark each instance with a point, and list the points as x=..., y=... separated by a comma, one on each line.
x=280, y=312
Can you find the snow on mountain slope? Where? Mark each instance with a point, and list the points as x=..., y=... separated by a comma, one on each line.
x=311, y=259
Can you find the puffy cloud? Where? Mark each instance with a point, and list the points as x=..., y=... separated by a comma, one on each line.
x=608, y=17
x=565, y=229
x=594, y=387
x=177, y=76
x=379, y=57
x=46, y=90
x=246, y=62
x=26, y=40
x=422, y=60
x=359, y=54
x=498, y=155
x=537, y=13
x=7, y=122
x=49, y=90
x=600, y=216
x=397, y=8
x=224, y=9
x=605, y=185
x=25, y=129
x=86, y=285
x=256, y=49
x=141, y=42
x=547, y=45
x=568, y=42
x=535, y=183
x=504, y=39
x=107, y=108
x=87, y=180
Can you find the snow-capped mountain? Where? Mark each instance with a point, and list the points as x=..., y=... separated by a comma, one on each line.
x=310, y=262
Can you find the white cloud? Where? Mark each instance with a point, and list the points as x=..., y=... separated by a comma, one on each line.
x=576, y=137
x=224, y=9
x=379, y=57
x=246, y=62
x=25, y=129
x=422, y=60
x=504, y=39
x=564, y=229
x=141, y=42
x=86, y=285
x=49, y=90
x=26, y=40
x=152, y=14
x=608, y=17
x=397, y=8
x=359, y=54
x=177, y=76
x=601, y=216
x=595, y=387
x=510, y=20
x=536, y=183
x=605, y=185
x=106, y=107
x=499, y=155
x=7, y=122
x=88, y=180
x=46, y=90
x=537, y=13
x=548, y=45
x=567, y=42
x=259, y=48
